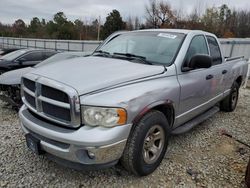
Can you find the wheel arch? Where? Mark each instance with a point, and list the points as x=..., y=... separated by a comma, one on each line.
x=239, y=80
x=166, y=107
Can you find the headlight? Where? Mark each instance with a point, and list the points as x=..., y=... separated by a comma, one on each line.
x=107, y=117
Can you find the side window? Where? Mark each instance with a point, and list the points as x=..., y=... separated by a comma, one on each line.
x=34, y=56
x=214, y=50
x=197, y=46
x=48, y=54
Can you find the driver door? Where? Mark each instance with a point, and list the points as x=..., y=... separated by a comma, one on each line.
x=195, y=84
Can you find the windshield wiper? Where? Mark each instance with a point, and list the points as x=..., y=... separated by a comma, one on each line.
x=133, y=56
x=103, y=53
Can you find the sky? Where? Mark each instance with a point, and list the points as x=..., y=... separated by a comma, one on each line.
x=87, y=10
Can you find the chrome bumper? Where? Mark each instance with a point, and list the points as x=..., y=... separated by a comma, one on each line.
x=86, y=145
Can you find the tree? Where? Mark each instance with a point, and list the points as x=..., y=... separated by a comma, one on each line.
x=165, y=14
x=129, y=24
x=137, y=23
x=113, y=23
x=79, y=26
x=224, y=17
x=151, y=14
x=35, y=25
x=160, y=14
x=243, y=24
x=60, y=18
x=51, y=29
x=19, y=27
x=60, y=27
x=223, y=21
x=211, y=20
x=43, y=22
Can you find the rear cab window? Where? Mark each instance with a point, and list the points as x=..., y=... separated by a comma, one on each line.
x=215, y=52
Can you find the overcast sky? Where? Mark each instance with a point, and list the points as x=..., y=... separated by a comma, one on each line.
x=11, y=10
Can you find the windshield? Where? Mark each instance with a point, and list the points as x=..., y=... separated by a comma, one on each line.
x=155, y=47
x=13, y=55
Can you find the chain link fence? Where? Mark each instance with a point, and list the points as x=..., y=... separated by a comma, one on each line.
x=61, y=45
x=230, y=47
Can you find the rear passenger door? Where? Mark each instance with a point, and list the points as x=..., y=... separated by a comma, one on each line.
x=218, y=70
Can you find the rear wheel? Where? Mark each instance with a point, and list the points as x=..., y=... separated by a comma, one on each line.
x=147, y=144
x=230, y=102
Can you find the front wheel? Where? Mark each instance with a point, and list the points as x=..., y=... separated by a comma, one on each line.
x=147, y=144
x=230, y=102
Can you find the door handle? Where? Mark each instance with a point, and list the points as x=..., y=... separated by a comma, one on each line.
x=209, y=77
x=224, y=72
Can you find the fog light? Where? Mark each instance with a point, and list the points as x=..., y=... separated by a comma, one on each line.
x=91, y=155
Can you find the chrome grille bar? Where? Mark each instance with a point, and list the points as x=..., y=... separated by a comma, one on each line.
x=56, y=103
x=29, y=92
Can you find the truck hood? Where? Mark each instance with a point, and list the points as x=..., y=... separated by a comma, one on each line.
x=14, y=77
x=88, y=74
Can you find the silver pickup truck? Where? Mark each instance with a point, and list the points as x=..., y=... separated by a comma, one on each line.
x=125, y=101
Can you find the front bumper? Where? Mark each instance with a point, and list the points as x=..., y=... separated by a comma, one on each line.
x=86, y=145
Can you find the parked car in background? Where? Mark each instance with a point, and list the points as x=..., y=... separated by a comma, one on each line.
x=23, y=58
x=7, y=50
x=11, y=80
x=125, y=100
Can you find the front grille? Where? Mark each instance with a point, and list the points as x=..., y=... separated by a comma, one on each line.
x=54, y=94
x=51, y=100
x=29, y=84
x=56, y=111
x=31, y=100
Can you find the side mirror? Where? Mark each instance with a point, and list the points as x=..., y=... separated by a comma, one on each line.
x=21, y=60
x=200, y=61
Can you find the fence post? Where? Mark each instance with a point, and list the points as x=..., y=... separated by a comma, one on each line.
x=55, y=45
x=83, y=46
x=232, y=48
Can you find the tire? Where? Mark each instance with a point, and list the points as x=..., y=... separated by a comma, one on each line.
x=230, y=102
x=247, y=176
x=147, y=144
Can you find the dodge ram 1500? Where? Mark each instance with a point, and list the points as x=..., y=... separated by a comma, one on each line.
x=124, y=101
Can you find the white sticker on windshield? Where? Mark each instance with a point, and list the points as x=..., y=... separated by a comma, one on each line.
x=166, y=35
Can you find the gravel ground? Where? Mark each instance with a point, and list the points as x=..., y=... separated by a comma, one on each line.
x=204, y=157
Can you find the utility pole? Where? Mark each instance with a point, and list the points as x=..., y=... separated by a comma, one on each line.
x=99, y=28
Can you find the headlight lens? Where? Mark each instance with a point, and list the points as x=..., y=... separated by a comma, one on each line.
x=107, y=117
